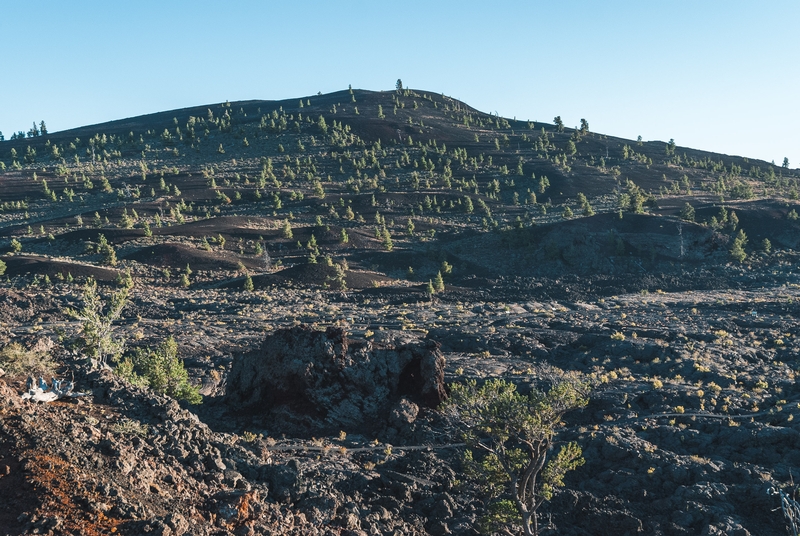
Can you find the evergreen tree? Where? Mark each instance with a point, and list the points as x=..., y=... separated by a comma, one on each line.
x=438, y=283
x=737, y=251
x=559, y=123
x=510, y=439
x=387, y=239
x=248, y=284
x=97, y=319
x=468, y=207
x=322, y=125
x=687, y=212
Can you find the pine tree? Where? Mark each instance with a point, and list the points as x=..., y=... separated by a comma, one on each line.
x=737, y=251
x=387, y=239
x=438, y=283
x=429, y=290
x=468, y=207
x=248, y=284
x=287, y=229
x=687, y=212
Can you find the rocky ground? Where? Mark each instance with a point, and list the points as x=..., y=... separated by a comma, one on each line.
x=691, y=420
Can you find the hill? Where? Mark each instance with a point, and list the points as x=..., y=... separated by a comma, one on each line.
x=664, y=275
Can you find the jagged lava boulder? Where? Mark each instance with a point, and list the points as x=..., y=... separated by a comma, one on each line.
x=328, y=381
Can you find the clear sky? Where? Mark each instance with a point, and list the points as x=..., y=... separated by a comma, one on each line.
x=715, y=75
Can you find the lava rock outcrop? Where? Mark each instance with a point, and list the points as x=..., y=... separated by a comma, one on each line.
x=326, y=381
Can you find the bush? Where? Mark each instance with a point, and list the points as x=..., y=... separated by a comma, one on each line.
x=161, y=370
x=18, y=361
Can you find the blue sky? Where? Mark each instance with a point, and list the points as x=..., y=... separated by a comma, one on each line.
x=715, y=75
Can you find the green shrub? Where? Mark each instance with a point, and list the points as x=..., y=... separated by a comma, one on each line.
x=161, y=370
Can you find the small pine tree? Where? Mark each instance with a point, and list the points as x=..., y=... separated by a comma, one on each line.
x=468, y=207
x=97, y=319
x=248, y=284
x=737, y=251
x=687, y=212
x=287, y=229
x=429, y=290
x=733, y=221
x=510, y=439
x=438, y=283
x=387, y=239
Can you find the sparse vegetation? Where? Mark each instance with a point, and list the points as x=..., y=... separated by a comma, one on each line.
x=285, y=197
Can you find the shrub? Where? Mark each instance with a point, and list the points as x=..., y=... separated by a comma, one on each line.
x=16, y=360
x=161, y=370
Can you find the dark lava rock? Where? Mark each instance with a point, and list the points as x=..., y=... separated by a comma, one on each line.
x=325, y=381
